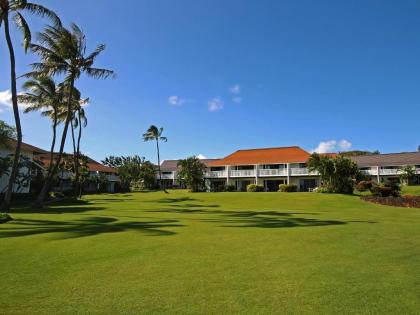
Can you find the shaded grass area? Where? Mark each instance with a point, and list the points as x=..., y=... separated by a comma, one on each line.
x=212, y=253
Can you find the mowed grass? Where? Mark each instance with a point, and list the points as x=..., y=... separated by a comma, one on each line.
x=211, y=253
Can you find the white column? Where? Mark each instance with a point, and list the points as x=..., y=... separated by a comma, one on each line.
x=288, y=173
x=256, y=174
x=227, y=168
x=377, y=176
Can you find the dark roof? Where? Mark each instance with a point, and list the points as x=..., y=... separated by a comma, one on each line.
x=171, y=165
x=390, y=159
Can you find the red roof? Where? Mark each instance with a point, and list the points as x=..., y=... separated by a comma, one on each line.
x=92, y=164
x=27, y=147
x=264, y=156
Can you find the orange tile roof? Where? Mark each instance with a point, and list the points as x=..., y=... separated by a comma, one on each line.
x=264, y=156
x=92, y=165
x=26, y=147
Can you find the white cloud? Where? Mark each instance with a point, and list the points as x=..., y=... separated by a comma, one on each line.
x=344, y=145
x=332, y=146
x=215, y=104
x=237, y=100
x=201, y=157
x=235, y=89
x=6, y=98
x=176, y=100
x=6, y=101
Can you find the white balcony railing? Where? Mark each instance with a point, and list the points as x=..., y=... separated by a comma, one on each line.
x=301, y=171
x=389, y=171
x=166, y=176
x=242, y=173
x=216, y=174
x=370, y=172
x=273, y=172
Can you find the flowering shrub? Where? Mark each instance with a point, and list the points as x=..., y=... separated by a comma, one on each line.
x=407, y=201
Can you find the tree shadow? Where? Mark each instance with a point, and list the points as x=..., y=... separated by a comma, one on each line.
x=86, y=227
x=65, y=206
x=256, y=219
x=173, y=200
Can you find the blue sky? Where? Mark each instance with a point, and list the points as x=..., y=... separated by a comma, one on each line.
x=224, y=75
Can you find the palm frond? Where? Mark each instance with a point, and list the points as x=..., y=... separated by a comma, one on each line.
x=21, y=24
x=42, y=11
x=100, y=73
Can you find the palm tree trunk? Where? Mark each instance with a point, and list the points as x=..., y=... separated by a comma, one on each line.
x=78, y=153
x=55, y=119
x=75, y=159
x=158, y=155
x=40, y=200
x=13, y=174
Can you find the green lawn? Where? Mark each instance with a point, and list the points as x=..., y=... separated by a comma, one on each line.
x=212, y=253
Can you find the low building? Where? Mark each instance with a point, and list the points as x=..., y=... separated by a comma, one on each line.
x=169, y=170
x=31, y=153
x=40, y=160
x=381, y=167
x=97, y=173
x=271, y=167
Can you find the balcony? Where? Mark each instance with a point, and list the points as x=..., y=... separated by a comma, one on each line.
x=242, y=173
x=112, y=177
x=301, y=171
x=272, y=172
x=216, y=174
x=166, y=176
x=370, y=172
x=389, y=171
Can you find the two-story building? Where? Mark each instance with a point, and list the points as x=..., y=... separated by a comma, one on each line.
x=268, y=167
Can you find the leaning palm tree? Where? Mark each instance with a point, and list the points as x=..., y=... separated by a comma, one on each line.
x=63, y=52
x=44, y=95
x=13, y=9
x=155, y=134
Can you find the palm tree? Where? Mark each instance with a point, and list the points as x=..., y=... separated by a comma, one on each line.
x=63, y=52
x=155, y=134
x=13, y=9
x=45, y=95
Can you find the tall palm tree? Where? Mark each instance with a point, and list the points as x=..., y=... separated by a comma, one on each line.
x=13, y=9
x=63, y=52
x=43, y=94
x=155, y=134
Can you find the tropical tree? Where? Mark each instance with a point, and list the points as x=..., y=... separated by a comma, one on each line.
x=407, y=173
x=63, y=52
x=43, y=94
x=337, y=174
x=155, y=134
x=191, y=172
x=7, y=133
x=133, y=171
x=13, y=10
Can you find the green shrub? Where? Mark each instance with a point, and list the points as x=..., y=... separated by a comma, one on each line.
x=254, y=188
x=287, y=188
x=230, y=187
x=323, y=190
x=364, y=185
x=385, y=190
